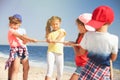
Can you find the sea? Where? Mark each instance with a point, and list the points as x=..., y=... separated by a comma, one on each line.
x=37, y=56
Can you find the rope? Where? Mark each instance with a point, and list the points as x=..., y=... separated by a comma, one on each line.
x=111, y=70
x=72, y=44
x=64, y=42
x=41, y=41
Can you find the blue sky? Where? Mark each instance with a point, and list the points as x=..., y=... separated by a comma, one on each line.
x=35, y=14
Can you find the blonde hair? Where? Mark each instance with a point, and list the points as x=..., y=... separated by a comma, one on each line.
x=48, y=25
x=13, y=20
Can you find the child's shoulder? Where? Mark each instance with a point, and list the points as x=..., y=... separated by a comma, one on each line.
x=90, y=33
x=21, y=31
x=11, y=30
x=61, y=30
x=113, y=36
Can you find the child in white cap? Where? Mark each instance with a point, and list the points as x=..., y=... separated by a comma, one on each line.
x=81, y=60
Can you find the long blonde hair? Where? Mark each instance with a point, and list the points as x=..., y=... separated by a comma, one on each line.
x=48, y=25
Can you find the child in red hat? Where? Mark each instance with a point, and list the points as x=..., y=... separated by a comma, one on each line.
x=101, y=45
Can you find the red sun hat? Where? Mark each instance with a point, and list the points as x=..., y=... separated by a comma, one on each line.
x=100, y=16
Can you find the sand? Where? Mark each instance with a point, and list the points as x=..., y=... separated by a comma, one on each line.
x=38, y=73
x=35, y=73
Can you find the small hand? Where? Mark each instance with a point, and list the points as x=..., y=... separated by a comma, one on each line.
x=69, y=43
x=34, y=40
x=50, y=41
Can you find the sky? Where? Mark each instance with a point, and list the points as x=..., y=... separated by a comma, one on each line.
x=35, y=14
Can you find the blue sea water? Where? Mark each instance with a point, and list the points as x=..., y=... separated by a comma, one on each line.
x=37, y=56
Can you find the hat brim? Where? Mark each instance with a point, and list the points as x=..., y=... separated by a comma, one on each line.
x=89, y=28
x=95, y=24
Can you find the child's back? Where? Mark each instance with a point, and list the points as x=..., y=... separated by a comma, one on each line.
x=100, y=45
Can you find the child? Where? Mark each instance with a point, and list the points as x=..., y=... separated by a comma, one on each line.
x=81, y=60
x=17, y=39
x=55, y=50
x=101, y=45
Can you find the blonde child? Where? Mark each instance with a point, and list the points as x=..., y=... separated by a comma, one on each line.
x=17, y=39
x=101, y=45
x=55, y=50
x=81, y=60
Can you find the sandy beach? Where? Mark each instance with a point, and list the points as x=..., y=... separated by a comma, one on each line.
x=35, y=73
x=38, y=73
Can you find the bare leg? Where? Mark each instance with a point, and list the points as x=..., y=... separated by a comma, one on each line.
x=25, y=63
x=47, y=78
x=15, y=69
x=74, y=77
x=10, y=71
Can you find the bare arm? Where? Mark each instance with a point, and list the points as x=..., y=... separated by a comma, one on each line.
x=24, y=38
x=79, y=51
x=113, y=57
x=58, y=38
x=61, y=35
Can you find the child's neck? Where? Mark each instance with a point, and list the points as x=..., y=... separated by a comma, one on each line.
x=104, y=28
